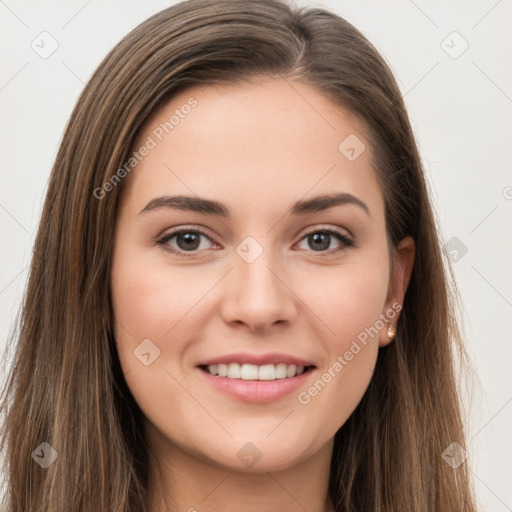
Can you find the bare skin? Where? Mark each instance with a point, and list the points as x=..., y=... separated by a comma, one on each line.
x=257, y=149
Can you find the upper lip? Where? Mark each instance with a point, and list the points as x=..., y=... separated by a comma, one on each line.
x=257, y=359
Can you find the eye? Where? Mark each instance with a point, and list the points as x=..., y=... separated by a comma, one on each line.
x=320, y=240
x=187, y=240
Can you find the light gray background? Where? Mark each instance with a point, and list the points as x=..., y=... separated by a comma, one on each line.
x=460, y=109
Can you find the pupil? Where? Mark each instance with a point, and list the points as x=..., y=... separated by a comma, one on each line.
x=323, y=238
x=189, y=238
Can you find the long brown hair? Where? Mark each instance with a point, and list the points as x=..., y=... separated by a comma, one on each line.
x=66, y=387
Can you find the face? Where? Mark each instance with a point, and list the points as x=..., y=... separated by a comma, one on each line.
x=248, y=318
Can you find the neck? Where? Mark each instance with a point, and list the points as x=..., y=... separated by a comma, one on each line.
x=179, y=481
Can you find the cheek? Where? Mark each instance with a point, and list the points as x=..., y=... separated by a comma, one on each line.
x=347, y=301
x=350, y=309
x=151, y=303
x=149, y=298
x=144, y=309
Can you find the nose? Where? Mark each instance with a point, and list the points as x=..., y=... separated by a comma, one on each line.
x=257, y=294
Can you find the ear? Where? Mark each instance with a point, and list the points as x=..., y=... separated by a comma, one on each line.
x=398, y=283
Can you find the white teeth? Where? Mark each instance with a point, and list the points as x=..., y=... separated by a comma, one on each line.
x=291, y=371
x=281, y=371
x=234, y=371
x=267, y=372
x=254, y=372
x=249, y=372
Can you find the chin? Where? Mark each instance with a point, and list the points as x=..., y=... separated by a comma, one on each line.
x=255, y=456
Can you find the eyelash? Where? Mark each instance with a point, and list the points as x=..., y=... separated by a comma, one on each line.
x=347, y=242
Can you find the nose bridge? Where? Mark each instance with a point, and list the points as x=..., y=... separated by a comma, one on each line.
x=253, y=268
x=256, y=292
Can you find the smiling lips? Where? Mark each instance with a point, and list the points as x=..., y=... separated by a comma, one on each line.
x=256, y=367
x=256, y=378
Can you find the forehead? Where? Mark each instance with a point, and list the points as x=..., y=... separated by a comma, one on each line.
x=270, y=138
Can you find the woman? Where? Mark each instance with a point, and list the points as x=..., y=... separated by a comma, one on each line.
x=237, y=299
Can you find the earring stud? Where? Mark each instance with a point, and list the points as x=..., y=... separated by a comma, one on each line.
x=391, y=331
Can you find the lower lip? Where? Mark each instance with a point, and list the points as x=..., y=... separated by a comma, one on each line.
x=257, y=391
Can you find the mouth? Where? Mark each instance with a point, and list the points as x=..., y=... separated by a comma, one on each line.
x=264, y=379
x=246, y=371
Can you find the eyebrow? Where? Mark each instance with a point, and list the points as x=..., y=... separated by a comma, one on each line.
x=209, y=207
